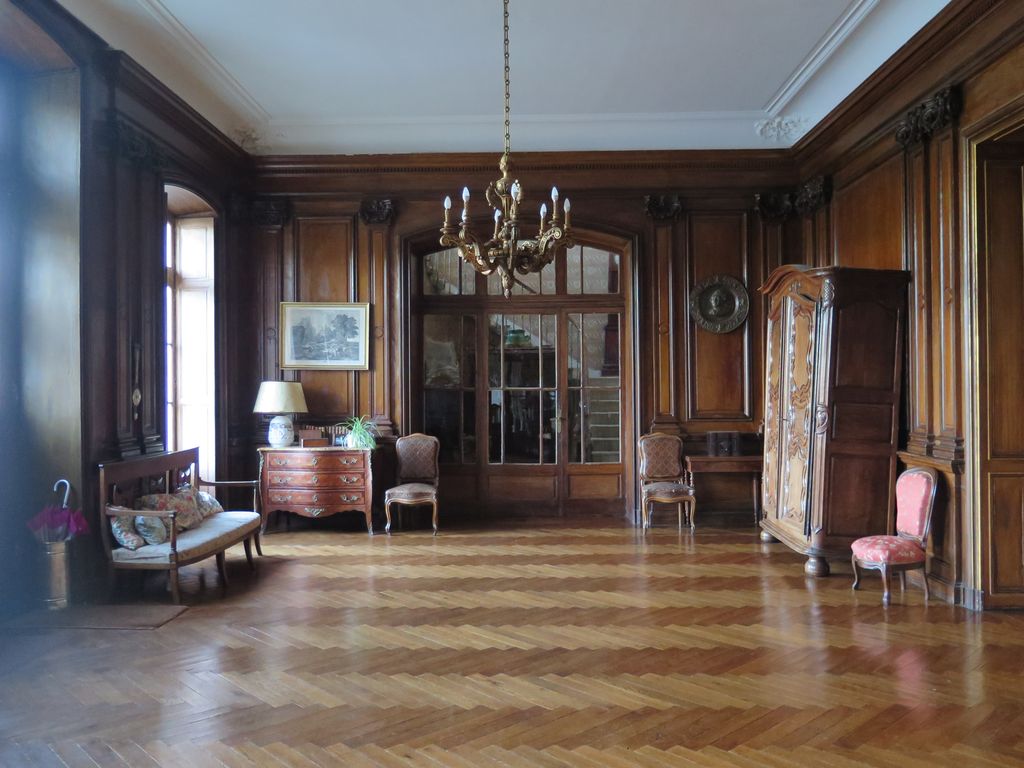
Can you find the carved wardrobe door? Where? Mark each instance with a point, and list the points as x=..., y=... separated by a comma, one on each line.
x=788, y=410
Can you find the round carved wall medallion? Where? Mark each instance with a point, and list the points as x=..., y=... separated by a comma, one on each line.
x=719, y=303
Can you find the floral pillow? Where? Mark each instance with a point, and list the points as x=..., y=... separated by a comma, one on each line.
x=124, y=532
x=184, y=504
x=152, y=529
x=208, y=504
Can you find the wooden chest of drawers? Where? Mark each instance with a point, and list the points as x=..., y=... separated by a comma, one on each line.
x=316, y=482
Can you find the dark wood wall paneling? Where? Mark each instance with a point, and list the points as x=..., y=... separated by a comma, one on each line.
x=136, y=136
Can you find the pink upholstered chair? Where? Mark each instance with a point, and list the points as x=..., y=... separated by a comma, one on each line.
x=663, y=477
x=915, y=497
x=417, y=475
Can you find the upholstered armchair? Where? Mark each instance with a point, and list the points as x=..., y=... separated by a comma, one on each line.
x=417, y=475
x=907, y=550
x=663, y=477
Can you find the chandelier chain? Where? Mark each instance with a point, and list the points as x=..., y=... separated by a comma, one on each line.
x=508, y=141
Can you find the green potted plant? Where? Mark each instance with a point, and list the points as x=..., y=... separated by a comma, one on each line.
x=360, y=432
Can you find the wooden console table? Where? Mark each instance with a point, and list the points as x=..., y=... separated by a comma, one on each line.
x=316, y=482
x=731, y=464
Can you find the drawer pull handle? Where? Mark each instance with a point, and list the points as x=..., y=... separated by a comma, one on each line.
x=316, y=460
x=314, y=511
x=281, y=462
x=281, y=499
x=348, y=479
x=349, y=461
x=316, y=479
x=349, y=498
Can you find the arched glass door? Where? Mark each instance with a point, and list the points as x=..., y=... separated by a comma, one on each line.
x=529, y=395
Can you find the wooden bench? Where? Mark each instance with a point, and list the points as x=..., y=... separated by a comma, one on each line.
x=122, y=482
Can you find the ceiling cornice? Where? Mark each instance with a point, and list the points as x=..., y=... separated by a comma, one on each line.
x=844, y=27
x=225, y=84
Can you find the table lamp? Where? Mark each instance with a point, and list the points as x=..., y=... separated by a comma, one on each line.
x=282, y=398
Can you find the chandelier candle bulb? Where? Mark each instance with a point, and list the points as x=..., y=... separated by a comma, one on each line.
x=566, y=207
x=554, y=205
x=447, y=210
x=543, y=215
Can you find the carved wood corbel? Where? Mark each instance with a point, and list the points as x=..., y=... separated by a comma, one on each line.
x=929, y=117
x=377, y=212
x=805, y=200
x=663, y=207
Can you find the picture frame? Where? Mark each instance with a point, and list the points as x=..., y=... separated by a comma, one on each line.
x=324, y=336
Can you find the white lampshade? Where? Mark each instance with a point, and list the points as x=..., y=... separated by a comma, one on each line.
x=280, y=397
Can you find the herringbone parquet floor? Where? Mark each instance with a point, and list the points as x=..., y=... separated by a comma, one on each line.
x=573, y=644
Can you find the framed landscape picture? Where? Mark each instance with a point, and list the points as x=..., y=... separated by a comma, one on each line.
x=331, y=337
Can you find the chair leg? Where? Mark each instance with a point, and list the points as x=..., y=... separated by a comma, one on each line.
x=222, y=571
x=903, y=581
x=259, y=549
x=387, y=517
x=885, y=585
x=679, y=513
x=856, y=573
x=434, y=519
x=924, y=580
x=172, y=576
x=693, y=514
x=248, y=553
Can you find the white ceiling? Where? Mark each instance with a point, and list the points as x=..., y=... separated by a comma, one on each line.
x=351, y=77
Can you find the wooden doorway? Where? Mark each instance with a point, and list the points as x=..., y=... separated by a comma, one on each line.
x=532, y=397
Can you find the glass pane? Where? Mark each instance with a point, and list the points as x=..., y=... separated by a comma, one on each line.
x=441, y=273
x=600, y=271
x=468, y=351
x=549, y=361
x=601, y=349
x=573, y=270
x=493, y=284
x=469, y=427
x=468, y=278
x=494, y=427
x=522, y=427
x=574, y=423
x=601, y=425
x=575, y=331
x=522, y=355
x=441, y=419
x=549, y=426
x=441, y=337
x=547, y=280
x=195, y=248
x=527, y=285
x=495, y=323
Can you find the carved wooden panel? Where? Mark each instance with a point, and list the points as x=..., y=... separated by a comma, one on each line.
x=594, y=486
x=868, y=218
x=774, y=352
x=919, y=396
x=945, y=289
x=718, y=371
x=797, y=409
x=664, y=328
x=522, y=487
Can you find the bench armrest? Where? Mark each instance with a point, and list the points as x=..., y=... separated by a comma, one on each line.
x=113, y=510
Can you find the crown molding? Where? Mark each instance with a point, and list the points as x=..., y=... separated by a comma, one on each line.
x=844, y=28
x=210, y=68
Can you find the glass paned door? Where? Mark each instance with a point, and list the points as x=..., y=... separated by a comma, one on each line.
x=522, y=378
x=594, y=388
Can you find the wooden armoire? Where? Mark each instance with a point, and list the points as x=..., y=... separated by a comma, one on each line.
x=832, y=394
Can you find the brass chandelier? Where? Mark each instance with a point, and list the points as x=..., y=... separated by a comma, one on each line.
x=506, y=252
